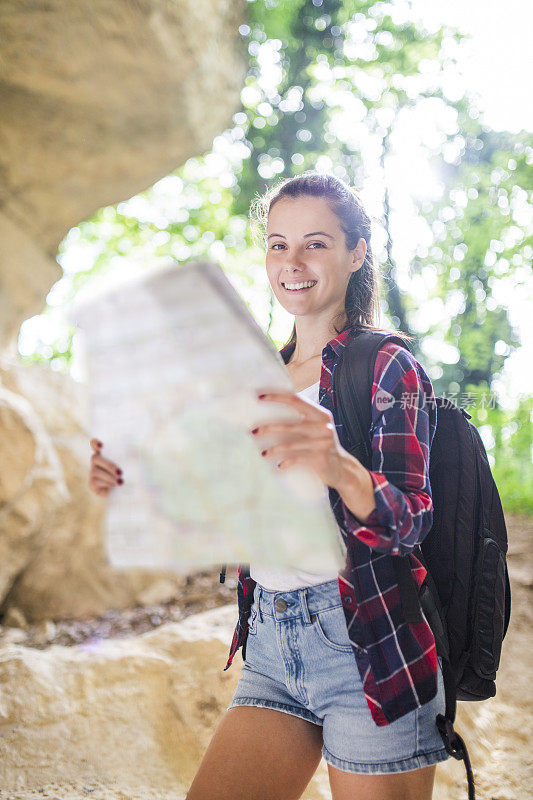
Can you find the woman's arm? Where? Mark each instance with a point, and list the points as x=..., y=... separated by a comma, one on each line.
x=390, y=508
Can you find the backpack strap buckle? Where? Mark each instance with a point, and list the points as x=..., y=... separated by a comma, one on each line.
x=451, y=739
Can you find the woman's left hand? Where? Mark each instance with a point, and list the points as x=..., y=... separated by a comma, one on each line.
x=312, y=440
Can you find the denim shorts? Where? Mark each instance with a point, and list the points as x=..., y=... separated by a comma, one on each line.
x=299, y=660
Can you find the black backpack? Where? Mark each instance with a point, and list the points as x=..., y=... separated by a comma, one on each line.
x=466, y=595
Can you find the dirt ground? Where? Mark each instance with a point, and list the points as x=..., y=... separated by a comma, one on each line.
x=498, y=732
x=201, y=592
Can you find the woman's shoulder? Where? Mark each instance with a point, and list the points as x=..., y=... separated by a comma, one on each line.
x=392, y=351
x=403, y=388
x=395, y=357
x=396, y=364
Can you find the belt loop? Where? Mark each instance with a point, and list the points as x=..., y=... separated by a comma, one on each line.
x=259, y=604
x=305, y=609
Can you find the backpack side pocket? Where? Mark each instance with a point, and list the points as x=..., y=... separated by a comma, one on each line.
x=489, y=609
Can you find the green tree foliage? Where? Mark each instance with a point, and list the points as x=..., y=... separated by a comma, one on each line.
x=481, y=237
x=508, y=438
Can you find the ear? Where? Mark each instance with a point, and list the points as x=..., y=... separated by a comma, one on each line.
x=359, y=254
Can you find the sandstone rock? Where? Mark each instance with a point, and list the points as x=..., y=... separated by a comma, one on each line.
x=11, y=636
x=522, y=574
x=32, y=484
x=157, y=592
x=98, y=100
x=134, y=715
x=14, y=618
x=52, y=557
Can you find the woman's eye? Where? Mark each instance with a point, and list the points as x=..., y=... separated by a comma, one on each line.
x=275, y=245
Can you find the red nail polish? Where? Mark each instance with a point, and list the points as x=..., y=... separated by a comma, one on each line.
x=100, y=444
x=120, y=481
x=255, y=430
x=260, y=397
x=119, y=472
x=263, y=452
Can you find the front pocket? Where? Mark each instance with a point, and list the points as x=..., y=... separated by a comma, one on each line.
x=252, y=620
x=330, y=626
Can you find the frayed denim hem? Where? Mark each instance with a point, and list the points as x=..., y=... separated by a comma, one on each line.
x=386, y=767
x=287, y=709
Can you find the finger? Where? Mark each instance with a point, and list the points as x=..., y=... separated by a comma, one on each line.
x=103, y=478
x=302, y=458
x=290, y=448
x=311, y=456
x=102, y=491
x=298, y=403
x=302, y=428
x=105, y=464
x=98, y=474
x=298, y=438
x=96, y=445
x=96, y=484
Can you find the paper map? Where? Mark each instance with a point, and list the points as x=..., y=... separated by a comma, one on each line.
x=174, y=360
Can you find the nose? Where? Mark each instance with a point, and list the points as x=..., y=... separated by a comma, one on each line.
x=292, y=270
x=291, y=276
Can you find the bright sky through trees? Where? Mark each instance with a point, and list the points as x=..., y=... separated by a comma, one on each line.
x=497, y=60
x=497, y=63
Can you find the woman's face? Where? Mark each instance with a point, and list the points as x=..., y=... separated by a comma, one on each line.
x=305, y=243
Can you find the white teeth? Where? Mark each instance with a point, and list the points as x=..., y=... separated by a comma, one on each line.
x=291, y=286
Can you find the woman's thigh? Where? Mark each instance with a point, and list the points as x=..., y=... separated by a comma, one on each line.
x=258, y=753
x=413, y=785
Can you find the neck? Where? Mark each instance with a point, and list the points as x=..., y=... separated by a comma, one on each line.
x=312, y=335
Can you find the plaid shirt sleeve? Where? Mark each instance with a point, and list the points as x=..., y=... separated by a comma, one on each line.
x=404, y=418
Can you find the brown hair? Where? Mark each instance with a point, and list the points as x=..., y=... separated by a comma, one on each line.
x=362, y=300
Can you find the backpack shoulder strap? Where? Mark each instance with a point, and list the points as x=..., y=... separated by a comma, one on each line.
x=353, y=380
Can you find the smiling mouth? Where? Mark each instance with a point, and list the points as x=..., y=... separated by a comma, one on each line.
x=296, y=288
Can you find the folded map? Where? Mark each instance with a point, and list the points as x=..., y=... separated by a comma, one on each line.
x=174, y=361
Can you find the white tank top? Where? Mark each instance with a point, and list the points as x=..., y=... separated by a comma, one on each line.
x=274, y=580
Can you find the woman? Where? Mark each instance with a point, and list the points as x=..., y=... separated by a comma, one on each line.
x=331, y=667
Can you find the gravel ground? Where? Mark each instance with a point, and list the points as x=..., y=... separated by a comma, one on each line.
x=202, y=591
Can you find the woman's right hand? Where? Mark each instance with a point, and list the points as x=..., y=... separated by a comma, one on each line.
x=104, y=474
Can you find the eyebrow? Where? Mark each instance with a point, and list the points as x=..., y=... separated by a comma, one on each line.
x=316, y=233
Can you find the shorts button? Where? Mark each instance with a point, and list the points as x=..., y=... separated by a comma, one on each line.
x=347, y=601
x=280, y=604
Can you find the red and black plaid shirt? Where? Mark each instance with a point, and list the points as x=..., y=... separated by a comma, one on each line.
x=397, y=660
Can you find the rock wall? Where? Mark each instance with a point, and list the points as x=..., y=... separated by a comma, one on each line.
x=98, y=100
x=118, y=718
x=52, y=558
